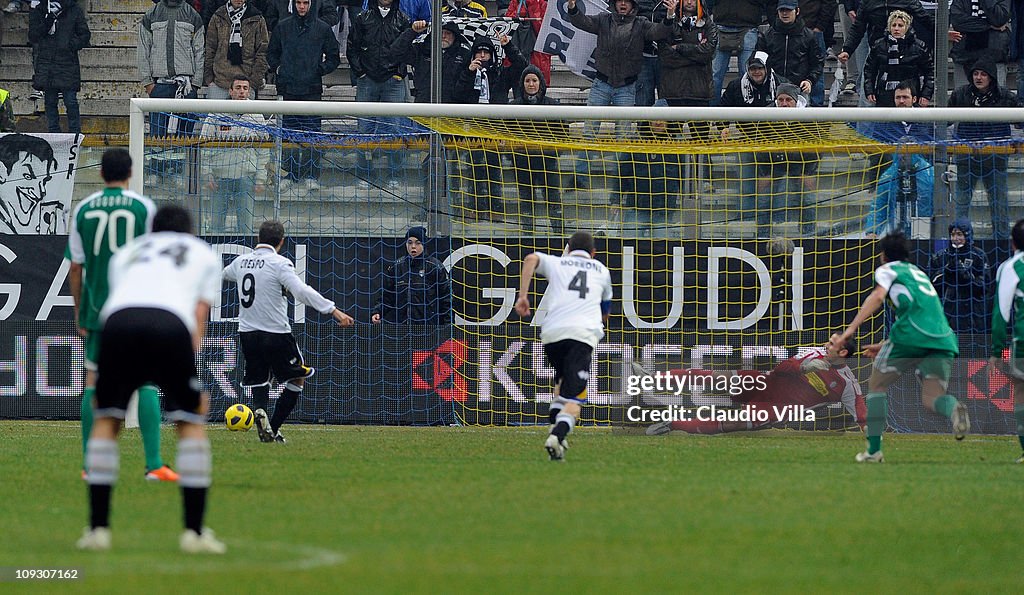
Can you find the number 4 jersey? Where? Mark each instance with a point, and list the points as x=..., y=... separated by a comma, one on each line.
x=100, y=225
x=920, y=319
x=265, y=278
x=164, y=270
x=577, y=284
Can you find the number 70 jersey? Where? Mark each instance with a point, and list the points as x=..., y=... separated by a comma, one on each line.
x=577, y=284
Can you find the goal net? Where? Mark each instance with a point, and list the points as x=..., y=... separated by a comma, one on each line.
x=736, y=239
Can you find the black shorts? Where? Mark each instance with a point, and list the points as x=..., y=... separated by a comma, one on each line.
x=143, y=345
x=571, y=360
x=269, y=355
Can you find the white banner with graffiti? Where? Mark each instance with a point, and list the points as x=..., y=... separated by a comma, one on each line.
x=37, y=177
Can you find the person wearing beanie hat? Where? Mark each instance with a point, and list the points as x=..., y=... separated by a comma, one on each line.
x=786, y=179
x=793, y=50
x=454, y=59
x=417, y=289
x=961, y=275
x=990, y=169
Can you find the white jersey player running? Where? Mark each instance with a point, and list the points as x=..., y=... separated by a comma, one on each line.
x=578, y=301
x=265, y=279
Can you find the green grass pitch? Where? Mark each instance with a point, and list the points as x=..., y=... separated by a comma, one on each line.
x=481, y=510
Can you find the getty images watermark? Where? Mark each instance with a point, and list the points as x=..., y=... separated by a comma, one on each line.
x=746, y=386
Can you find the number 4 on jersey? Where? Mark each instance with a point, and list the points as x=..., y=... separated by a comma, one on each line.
x=579, y=284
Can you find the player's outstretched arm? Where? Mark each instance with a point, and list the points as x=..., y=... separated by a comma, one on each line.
x=342, y=318
x=525, y=277
x=871, y=304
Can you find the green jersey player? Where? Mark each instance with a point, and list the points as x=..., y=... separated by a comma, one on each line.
x=1010, y=299
x=100, y=225
x=920, y=339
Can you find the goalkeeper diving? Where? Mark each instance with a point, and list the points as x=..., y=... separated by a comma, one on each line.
x=814, y=379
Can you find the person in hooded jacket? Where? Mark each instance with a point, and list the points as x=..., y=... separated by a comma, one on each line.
x=58, y=30
x=486, y=80
x=537, y=169
x=417, y=289
x=988, y=167
x=963, y=279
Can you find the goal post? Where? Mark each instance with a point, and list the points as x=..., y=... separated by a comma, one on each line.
x=735, y=237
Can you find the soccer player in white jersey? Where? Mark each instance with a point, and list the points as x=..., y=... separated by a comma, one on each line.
x=161, y=288
x=264, y=279
x=578, y=301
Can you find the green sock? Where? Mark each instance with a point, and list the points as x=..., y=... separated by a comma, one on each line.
x=87, y=396
x=1018, y=414
x=149, y=424
x=878, y=412
x=945, y=405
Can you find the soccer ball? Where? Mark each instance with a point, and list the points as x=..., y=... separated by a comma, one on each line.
x=238, y=418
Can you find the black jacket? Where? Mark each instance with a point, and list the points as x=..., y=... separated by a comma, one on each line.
x=55, y=57
x=416, y=291
x=370, y=40
x=500, y=79
x=873, y=22
x=302, y=50
x=793, y=52
x=453, y=61
x=968, y=96
x=277, y=11
x=980, y=40
x=686, y=59
x=915, y=63
x=962, y=277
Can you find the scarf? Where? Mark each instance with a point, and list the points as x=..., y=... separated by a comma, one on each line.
x=893, y=61
x=235, y=41
x=982, y=99
x=482, y=85
x=53, y=11
x=747, y=86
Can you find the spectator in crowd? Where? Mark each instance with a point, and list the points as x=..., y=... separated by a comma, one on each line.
x=898, y=57
x=786, y=179
x=464, y=8
x=236, y=170
x=7, y=119
x=983, y=164
x=417, y=289
x=820, y=17
x=454, y=59
x=686, y=61
x=58, y=30
x=979, y=29
x=756, y=88
x=872, y=24
x=380, y=77
x=847, y=16
x=650, y=73
x=212, y=6
x=303, y=49
x=171, y=60
x=961, y=275
x=907, y=181
x=737, y=22
x=621, y=37
x=279, y=10
x=537, y=169
x=17, y=6
x=236, y=47
x=531, y=15
x=650, y=182
x=487, y=80
x=793, y=50
x=416, y=10
x=1017, y=49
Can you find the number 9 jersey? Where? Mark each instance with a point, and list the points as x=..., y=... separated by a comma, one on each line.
x=577, y=285
x=265, y=278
